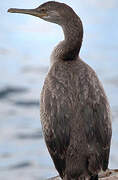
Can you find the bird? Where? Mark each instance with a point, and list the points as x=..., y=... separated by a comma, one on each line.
x=74, y=109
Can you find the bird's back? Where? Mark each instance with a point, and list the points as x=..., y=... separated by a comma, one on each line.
x=75, y=117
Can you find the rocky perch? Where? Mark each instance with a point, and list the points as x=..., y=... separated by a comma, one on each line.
x=110, y=174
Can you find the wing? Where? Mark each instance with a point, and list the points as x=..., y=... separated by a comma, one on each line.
x=55, y=121
x=73, y=96
x=96, y=115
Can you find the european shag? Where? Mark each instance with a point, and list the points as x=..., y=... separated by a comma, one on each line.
x=74, y=109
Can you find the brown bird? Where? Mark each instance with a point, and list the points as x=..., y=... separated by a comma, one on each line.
x=74, y=110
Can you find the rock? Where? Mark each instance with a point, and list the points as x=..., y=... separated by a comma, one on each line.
x=110, y=174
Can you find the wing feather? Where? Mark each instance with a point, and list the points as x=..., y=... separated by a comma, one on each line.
x=98, y=129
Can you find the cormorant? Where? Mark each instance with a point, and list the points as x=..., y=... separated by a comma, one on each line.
x=74, y=109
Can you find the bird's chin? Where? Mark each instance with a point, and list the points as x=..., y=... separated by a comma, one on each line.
x=47, y=18
x=50, y=19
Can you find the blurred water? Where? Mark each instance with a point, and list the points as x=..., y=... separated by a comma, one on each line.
x=25, y=46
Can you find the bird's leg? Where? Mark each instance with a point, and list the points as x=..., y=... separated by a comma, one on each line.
x=69, y=178
x=95, y=177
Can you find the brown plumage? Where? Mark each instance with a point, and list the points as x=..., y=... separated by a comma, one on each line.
x=74, y=110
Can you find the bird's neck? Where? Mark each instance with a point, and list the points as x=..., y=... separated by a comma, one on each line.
x=69, y=48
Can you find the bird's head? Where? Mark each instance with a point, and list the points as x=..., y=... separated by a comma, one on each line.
x=51, y=11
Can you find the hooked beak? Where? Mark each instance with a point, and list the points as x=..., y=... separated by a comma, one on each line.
x=32, y=12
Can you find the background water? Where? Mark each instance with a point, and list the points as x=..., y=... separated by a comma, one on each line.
x=26, y=43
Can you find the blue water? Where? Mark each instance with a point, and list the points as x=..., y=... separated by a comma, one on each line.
x=26, y=43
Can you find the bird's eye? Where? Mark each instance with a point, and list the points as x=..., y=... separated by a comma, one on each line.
x=43, y=10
